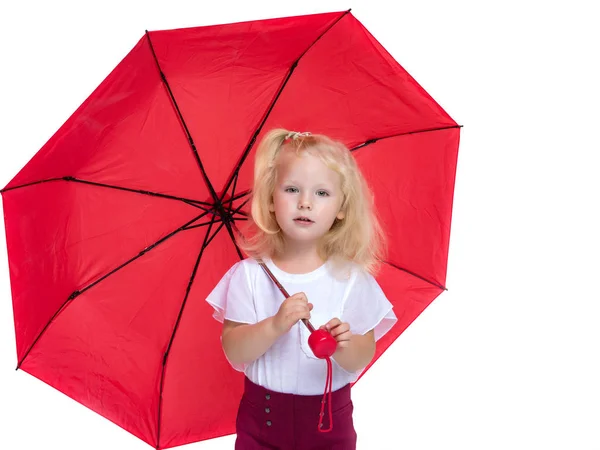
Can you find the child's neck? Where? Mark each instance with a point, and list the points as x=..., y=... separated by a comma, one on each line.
x=298, y=260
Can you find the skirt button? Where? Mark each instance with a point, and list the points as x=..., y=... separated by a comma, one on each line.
x=267, y=410
x=268, y=396
x=268, y=423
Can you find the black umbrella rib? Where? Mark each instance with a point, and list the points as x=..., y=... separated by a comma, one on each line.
x=238, y=196
x=234, y=175
x=218, y=206
x=207, y=224
x=233, y=212
x=433, y=283
x=78, y=293
x=324, y=32
x=372, y=141
x=183, y=123
x=207, y=241
x=426, y=130
x=2, y=191
x=176, y=326
x=196, y=203
x=236, y=211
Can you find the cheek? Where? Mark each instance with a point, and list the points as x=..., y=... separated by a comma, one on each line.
x=279, y=201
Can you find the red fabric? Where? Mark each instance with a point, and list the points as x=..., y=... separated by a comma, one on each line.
x=105, y=348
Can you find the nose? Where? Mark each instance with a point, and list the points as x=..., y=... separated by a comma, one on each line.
x=304, y=204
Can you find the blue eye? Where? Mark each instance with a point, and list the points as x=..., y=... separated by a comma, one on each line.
x=322, y=193
x=290, y=189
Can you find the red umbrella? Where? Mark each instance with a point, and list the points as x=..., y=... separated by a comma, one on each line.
x=120, y=226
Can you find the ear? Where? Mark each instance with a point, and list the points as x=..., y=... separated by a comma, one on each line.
x=271, y=207
x=341, y=215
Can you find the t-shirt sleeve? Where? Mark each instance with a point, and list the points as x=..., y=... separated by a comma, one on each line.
x=367, y=308
x=232, y=297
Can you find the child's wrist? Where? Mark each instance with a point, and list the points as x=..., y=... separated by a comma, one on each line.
x=272, y=328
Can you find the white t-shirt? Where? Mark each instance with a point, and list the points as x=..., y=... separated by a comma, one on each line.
x=246, y=294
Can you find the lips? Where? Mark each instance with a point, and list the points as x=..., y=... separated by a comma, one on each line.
x=303, y=219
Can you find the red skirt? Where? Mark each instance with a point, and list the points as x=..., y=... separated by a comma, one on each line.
x=278, y=421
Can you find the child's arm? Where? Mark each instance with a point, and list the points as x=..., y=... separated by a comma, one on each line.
x=244, y=343
x=358, y=354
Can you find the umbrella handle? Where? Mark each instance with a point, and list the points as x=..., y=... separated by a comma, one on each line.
x=321, y=342
x=323, y=345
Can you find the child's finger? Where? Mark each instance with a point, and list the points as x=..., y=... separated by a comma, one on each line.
x=299, y=296
x=333, y=323
x=298, y=309
x=299, y=316
x=298, y=306
x=343, y=337
x=297, y=301
x=341, y=328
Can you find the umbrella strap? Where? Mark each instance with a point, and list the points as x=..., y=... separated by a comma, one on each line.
x=326, y=394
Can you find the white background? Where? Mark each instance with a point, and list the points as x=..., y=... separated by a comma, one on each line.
x=509, y=357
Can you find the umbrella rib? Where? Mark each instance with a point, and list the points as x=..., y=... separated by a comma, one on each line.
x=235, y=173
x=236, y=211
x=208, y=223
x=79, y=292
x=176, y=326
x=240, y=195
x=425, y=130
x=416, y=275
x=218, y=205
x=324, y=32
x=183, y=123
x=196, y=203
x=189, y=201
x=2, y=191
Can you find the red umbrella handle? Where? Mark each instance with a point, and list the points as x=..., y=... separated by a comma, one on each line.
x=321, y=342
x=323, y=345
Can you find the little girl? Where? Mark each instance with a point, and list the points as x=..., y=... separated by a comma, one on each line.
x=315, y=229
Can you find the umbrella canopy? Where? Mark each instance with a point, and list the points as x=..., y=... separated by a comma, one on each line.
x=122, y=223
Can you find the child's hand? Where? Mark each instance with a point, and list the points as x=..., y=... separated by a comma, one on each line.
x=291, y=311
x=339, y=330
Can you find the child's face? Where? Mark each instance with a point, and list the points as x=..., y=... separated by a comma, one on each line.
x=306, y=187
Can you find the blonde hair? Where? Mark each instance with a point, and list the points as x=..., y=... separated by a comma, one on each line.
x=358, y=237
